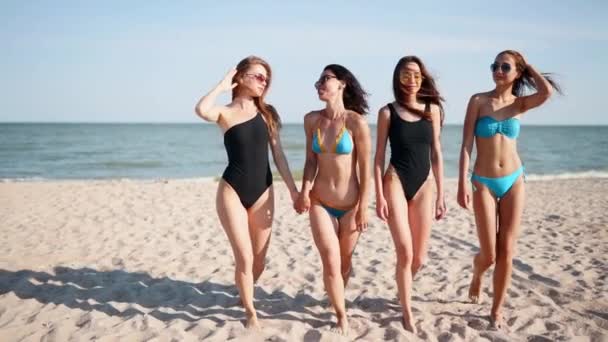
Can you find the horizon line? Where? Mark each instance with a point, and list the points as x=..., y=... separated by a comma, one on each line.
x=209, y=123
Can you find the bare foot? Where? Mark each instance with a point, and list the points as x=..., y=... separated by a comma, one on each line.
x=496, y=322
x=253, y=323
x=408, y=324
x=341, y=327
x=475, y=290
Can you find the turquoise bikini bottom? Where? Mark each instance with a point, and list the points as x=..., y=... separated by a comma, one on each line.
x=499, y=185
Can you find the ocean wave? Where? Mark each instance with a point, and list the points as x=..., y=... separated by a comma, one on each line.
x=297, y=175
x=131, y=164
x=568, y=175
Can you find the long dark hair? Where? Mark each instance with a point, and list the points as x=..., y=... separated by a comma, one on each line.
x=354, y=97
x=428, y=92
x=526, y=81
x=268, y=111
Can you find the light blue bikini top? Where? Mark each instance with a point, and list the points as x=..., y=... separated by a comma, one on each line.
x=343, y=145
x=487, y=127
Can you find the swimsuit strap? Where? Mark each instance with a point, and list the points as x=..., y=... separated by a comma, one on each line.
x=338, y=137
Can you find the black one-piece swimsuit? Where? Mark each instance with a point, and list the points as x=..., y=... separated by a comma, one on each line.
x=248, y=170
x=410, y=150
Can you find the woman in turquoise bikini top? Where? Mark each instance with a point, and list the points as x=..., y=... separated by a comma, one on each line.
x=492, y=123
x=338, y=145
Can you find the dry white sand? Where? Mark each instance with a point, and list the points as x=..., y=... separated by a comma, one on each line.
x=147, y=260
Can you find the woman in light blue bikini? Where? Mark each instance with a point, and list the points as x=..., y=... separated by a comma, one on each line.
x=492, y=122
x=337, y=142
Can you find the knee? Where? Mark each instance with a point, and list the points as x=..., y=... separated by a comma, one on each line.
x=331, y=264
x=505, y=254
x=404, y=256
x=244, y=262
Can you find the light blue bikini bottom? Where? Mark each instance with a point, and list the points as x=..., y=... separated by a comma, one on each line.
x=499, y=185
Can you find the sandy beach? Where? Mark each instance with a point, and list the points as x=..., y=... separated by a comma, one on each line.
x=126, y=260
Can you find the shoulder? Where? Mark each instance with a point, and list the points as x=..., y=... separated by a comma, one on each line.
x=356, y=120
x=480, y=98
x=271, y=108
x=311, y=116
x=435, y=112
x=228, y=109
x=385, y=111
x=226, y=113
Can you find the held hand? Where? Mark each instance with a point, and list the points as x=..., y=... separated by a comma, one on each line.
x=361, y=218
x=294, y=196
x=302, y=203
x=382, y=209
x=440, y=208
x=464, y=196
x=226, y=84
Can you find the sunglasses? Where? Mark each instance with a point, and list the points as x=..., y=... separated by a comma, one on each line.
x=323, y=79
x=408, y=76
x=258, y=77
x=504, y=67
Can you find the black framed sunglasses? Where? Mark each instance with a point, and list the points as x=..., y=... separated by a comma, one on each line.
x=504, y=67
x=323, y=79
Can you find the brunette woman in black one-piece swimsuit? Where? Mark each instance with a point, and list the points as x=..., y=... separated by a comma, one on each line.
x=404, y=193
x=245, y=198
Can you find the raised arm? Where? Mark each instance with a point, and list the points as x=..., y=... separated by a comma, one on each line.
x=544, y=91
x=206, y=108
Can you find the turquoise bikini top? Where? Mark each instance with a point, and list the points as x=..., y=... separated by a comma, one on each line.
x=487, y=127
x=343, y=145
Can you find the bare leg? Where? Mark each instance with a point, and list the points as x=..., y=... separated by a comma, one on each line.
x=348, y=236
x=420, y=214
x=233, y=217
x=324, y=231
x=260, y=224
x=511, y=208
x=484, y=205
x=400, y=231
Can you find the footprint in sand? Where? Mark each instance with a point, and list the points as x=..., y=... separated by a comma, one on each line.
x=477, y=324
x=84, y=320
x=458, y=329
x=445, y=337
x=309, y=277
x=557, y=297
x=552, y=326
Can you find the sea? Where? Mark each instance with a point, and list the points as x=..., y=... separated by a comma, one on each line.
x=82, y=151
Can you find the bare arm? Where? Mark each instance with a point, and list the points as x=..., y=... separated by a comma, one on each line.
x=310, y=165
x=282, y=166
x=206, y=108
x=544, y=91
x=310, y=169
x=384, y=117
x=437, y=163
x=466, y=149
x=363, y=145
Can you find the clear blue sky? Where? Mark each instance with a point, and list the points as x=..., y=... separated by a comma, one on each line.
x=148, y=61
